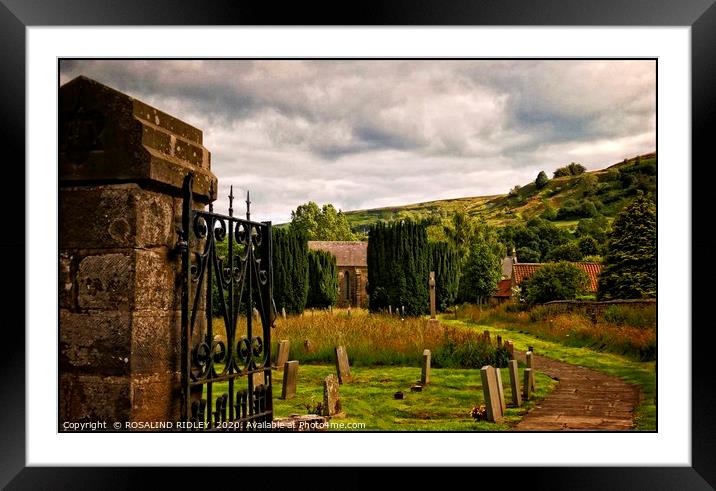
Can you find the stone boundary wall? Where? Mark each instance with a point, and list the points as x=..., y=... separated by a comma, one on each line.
x=593, y=308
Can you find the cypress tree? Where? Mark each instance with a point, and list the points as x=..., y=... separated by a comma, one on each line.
x=290, y=268
x=398, y=266
x=322, y=279
x=445, y=261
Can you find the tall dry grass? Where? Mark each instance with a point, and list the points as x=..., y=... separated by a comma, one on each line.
x=377, y=339
x=620, y=329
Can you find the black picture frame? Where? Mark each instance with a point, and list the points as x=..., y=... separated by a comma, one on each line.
x=16, y=15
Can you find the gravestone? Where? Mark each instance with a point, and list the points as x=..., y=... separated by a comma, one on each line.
x=499, y=341
x=290, y=374
x=343, y=369
x=331, y=396
x=529, y=360
x=500, y=390
x=256, y=314
x=425, y=373
x=528, y=384
x=307, y=345
x=283, y=312
x=431, y=283
x=121, y=170
x=515, y=383
x=490, y=394
x=486, y=335
x=510, y=350
x=282, y=356
x=390, y=310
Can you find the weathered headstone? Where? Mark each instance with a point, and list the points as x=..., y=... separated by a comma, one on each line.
x=282, y=356
x=500, y=390
x=331, y=396
x=390, y=310
x=343, y=369
x=499, y=341
x=290, y=374
x=307, y=345
x=515, y=383
x=486, y=335
x=510, y=350
x=283, y=312
x=490, y=394
x=528, y=384
x=431, y=283
x=425, y=373
x=529, y=361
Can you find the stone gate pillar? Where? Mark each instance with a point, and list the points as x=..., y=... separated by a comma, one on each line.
x=121, y=168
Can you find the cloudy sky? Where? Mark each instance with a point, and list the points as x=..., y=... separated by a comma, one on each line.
x=366, y=134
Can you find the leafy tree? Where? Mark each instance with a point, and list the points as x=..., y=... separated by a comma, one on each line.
x=549, y=213
x=322, y=279
x=542, y=180
x=629, y=269
x=482, y=271
x=588, y=246
x=515, y=191
x=460, y=231
x=527, y=255
x=445, y=261
x=572, y=169
x=566, y=252
x=596, y=227
x=589, y=183
x=324, y=223
x=558, y=281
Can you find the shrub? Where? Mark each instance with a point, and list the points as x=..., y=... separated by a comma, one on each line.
x=566, y=252
x=572, y=169
x=542, y=180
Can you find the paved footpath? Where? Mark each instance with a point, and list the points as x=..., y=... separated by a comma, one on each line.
x=583, y=400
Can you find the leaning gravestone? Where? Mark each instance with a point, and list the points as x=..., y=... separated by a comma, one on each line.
x=343, y=369
x=331, y=397
x=490, y=394
x=290, y=374
x=282, y=356
x=425, y=373
x=500, y=390
x=515, y=383
x=529, y=384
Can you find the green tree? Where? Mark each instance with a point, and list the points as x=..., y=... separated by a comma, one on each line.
x=445, y=261
x=482, y=272
x=460, y=231
x=324, y=223
x=290, y=269
x=398, y=266
x=566, y=252
x=558, y=281
x=527, y=255
x=541, y=180
x=588, y=246
x=629, y=269
x=573, y=169
x=322, y=279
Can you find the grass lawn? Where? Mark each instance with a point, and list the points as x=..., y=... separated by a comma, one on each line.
x=642, y=374
x=443, y=405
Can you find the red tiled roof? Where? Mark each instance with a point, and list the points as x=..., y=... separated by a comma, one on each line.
x=347, y=253
x=504, y=288
x=520, y=271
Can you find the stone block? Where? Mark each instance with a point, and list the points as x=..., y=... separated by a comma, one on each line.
x=529, y=383
x=331, y=396
x=104, y=281
x=156, y=285
x=282, y=355
x=156, y=341
x=500, y=390
x=343, y=368
x=490, y=394
x=425, y=368
x=98, y=343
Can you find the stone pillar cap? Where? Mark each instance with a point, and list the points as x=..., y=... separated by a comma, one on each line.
x=106, y=136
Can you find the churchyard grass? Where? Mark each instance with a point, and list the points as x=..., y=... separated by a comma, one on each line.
x=443, y=405
x=640, y=373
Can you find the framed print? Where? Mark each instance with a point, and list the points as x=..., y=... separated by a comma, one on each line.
x=163, y=170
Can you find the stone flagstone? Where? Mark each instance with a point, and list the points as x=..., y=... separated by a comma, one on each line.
x=343, y=369
x=290, y=374
x=425, y=373
x=490, y=394
x=515, y=383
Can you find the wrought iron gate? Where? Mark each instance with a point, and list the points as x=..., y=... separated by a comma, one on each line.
x=226, y=382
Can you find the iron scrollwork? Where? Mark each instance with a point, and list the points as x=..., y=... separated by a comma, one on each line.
x=226, y=382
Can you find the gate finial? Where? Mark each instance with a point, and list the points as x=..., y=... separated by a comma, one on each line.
x=231, y=201
x=248, y=205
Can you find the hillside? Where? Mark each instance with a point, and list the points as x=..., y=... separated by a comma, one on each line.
x=563, y=200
